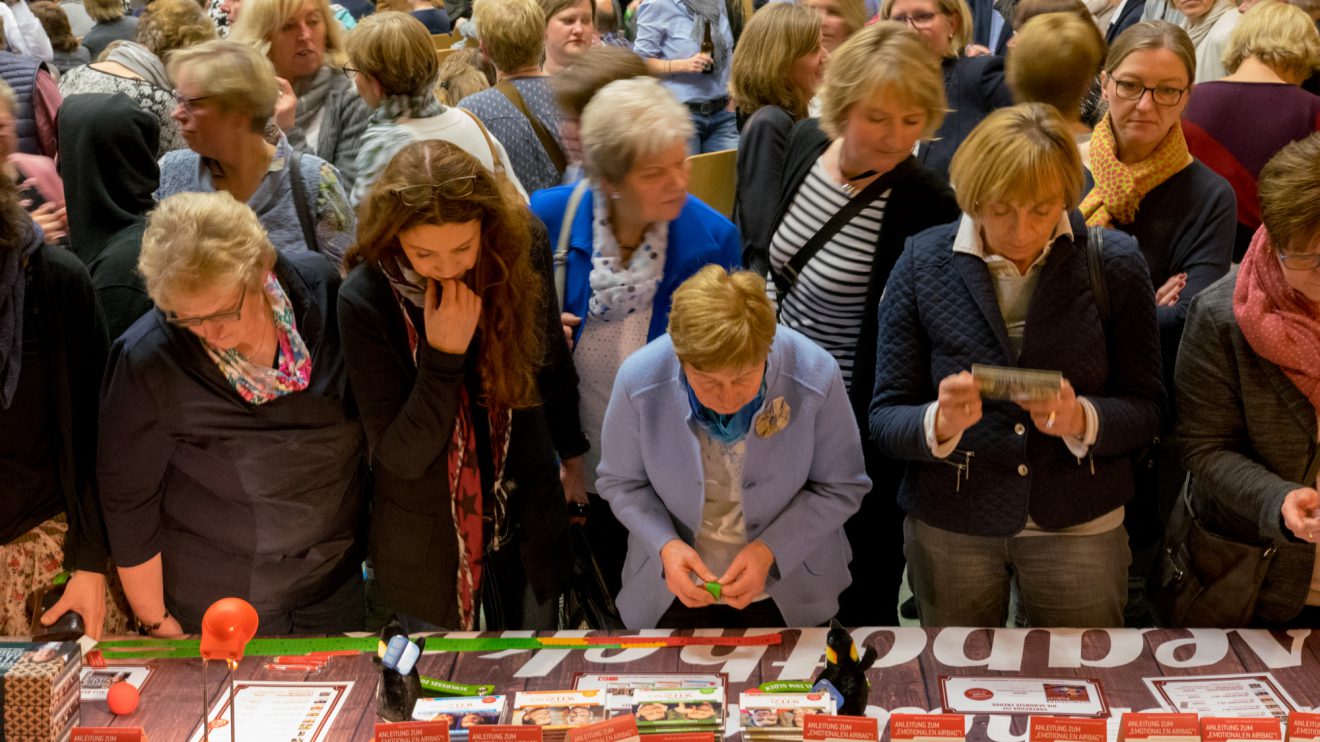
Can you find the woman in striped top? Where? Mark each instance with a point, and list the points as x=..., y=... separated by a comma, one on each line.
x=881, y=95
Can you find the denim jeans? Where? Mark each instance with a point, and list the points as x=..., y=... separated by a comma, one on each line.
x=961, y=580
x=713, y=133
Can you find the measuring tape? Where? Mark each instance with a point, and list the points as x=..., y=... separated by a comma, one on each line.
x=184, y=648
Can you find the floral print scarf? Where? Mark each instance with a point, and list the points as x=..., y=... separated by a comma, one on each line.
x=258, y=384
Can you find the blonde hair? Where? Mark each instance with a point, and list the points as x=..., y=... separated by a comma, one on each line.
x=1055, y=60
x=8, y=97
x=954, y=9
x=167, y=25
x=262, y=18
x=458, y=77
x=1023, y=153
x=512, y=32
x=233, y=75
x=395, y=50
x=629, y=120
x=883, y=56
x=102, y=11
x=853, y=13
x=721, y=320
x=1152, y=35
x=1287, y=187
x=1281, y=36
x=195, y=241
x=772, y=41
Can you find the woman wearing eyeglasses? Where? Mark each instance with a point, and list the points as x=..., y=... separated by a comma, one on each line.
x=225, y=94
x=974, y=85
x=230, y=462
x=1144, y=182
x=467, y=392
x=1249, y=390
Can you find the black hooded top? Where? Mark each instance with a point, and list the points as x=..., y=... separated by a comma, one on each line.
x=108, y=163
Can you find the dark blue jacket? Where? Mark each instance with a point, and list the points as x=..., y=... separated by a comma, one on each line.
x=974, y=86
x=21, y=74
x=939, y=315
x=700, y=235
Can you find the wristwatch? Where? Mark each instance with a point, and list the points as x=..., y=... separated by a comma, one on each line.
x=145, y=629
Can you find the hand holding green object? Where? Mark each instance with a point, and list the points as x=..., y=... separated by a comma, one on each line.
x=714, y=589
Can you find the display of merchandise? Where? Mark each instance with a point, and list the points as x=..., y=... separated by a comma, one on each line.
x=766, y=717
x=557, y=711
x=461, y=713
x=39, y=690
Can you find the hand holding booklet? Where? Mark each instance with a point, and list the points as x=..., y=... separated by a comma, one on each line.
x=1016, y=384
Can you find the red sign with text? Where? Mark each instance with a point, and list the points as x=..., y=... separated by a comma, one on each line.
x=618, y=729
x=1065, y=729
x=821, y=727
x=904, y=727
x=108, y=734
x=413, y=731
x=1303, y=727
x=1220, y=729
x=1170, y=727
x=504, y=733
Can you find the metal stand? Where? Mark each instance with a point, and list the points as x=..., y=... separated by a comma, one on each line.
x=233, y=704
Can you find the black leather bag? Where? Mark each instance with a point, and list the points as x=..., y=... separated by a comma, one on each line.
x=1207, y=579
x=587, y=603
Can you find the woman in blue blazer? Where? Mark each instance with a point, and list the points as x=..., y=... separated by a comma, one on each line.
x=732, y=457
x=628, y=236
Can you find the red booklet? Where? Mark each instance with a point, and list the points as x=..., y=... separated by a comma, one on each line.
x=413, y=731
x=1303, y=727
x=504, y=733
x=826, y=728
x=619, y=729
x=1222, y=729
x=1067, y=729
x=1159, y=728
x=108, y=734
x=925, y=727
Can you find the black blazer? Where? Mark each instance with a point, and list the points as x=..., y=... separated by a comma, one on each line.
x=919, y=201
x=408, y=409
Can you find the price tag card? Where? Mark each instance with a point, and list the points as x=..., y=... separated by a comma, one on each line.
x=827, y=728
x=1159, y=728
x=504, y=733
x=413, y=731
x=1303, y=727
x=1241, y=729
x=108, y=734
x=927, y=727
x=1064, y=729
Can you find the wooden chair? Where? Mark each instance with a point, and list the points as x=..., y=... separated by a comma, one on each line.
x=441, y=54
x=442, y=41
x=714, y=179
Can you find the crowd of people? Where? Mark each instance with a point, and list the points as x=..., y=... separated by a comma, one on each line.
x=294, y=309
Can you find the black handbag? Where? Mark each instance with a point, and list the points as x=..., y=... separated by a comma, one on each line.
x=587, y=602
x=1207, y=579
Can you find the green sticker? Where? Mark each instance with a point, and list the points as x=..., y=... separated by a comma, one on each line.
x=785, y=686
x=714, y=589
x=450, y=689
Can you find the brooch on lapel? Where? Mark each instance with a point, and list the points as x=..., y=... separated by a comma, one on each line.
x=774, y=419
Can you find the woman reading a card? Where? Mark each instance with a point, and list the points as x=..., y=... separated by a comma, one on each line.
x=730, y=454
x=1032, y=486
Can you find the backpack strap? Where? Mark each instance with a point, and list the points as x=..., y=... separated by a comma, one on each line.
x=301, y=203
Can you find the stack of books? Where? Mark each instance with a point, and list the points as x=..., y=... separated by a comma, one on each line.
x=39, y=690
x=460, y=713
x=557, y=711
x=772, y=717
x=685, y=710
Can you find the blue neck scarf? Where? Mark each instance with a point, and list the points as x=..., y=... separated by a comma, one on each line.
x=727, y=429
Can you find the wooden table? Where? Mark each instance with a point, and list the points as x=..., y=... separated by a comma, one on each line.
x=906, y=676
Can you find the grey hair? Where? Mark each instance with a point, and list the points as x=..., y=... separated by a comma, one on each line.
x=629, y=120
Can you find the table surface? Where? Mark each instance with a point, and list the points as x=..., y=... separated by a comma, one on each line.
x=905, y=677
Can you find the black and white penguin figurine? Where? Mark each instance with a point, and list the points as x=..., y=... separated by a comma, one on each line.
x=845, y=670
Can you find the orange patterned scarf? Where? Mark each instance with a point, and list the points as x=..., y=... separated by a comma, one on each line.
x=1119, y=188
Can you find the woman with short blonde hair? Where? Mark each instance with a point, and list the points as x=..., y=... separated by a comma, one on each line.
x=628, y=235
x=226, y=93
x=305, y=43
x=728, y=395
x=1009, y=285
x=1056, y=60
x=393, y=64
x=882, y=94
x=1274, y=48
x=974, y=85
x=238, y=356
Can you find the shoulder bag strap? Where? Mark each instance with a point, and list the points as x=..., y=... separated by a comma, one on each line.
x=561, y=244
x=300, y=202
x=786, y=278
x=490, y=143
x=548, y=143
x=1095, y=245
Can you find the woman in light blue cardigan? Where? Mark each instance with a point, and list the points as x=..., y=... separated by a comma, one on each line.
x=730, y=453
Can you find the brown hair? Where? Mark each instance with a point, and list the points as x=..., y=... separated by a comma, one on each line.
x=1148, y=35
x=395, y=50
x=1055, y=60
x=104, y=10
x=1287, y=187
x=167, y=25
x=56, y=23
x=18, y=227
x=592, y=70
x=1028, y=9
x=772, y=41
x=512, y=298
x=552, y=8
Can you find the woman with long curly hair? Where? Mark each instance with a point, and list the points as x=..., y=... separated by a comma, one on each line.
x=467, y=392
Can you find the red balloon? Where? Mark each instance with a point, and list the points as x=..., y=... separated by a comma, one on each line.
x=122, y=698
x=227, y=627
